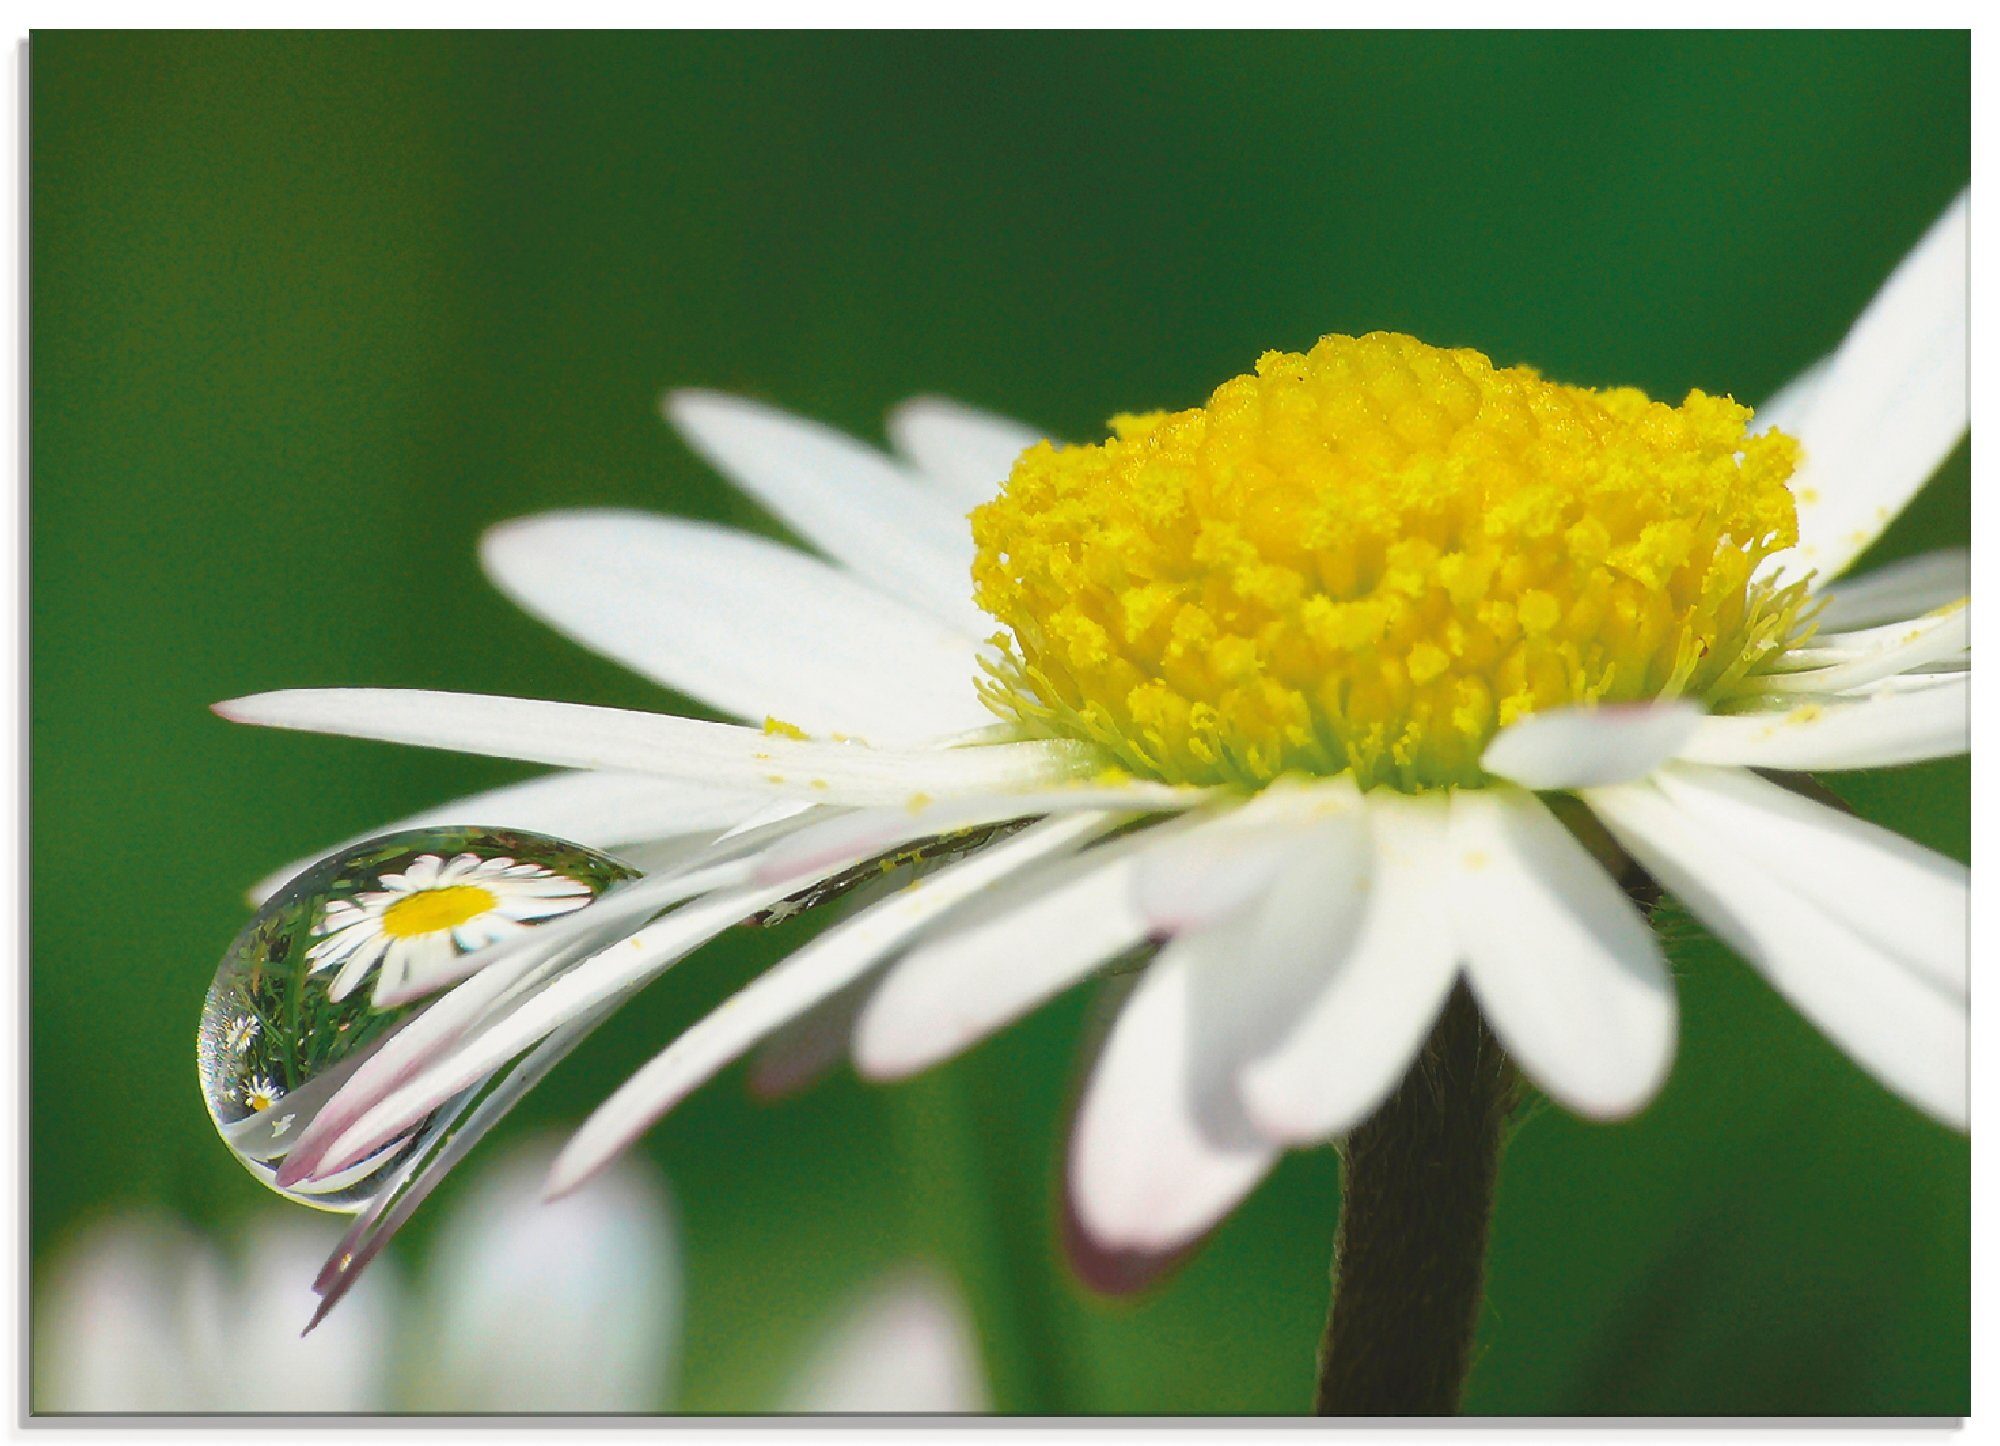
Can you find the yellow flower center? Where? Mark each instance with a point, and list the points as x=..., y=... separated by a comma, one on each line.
x=431, y=911
x=1372, y=557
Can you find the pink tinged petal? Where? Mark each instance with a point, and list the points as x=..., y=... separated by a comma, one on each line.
x=967, y=452
x=1159, y=1149
x=800, y=1053
x=448, y=1138
x=1892, y=1020
x=746, y=625
x=404, y=1054
x=611, y=972
x=815, y=973
x=1584, y=747
x=493, y=977
x=907, y=1347
x=1351, y=1045
x=855, y=505
x=1890, y=408
x=1908, y=901
x=1566, y=971
x=1941, y=638
x=1887, y=728
x=600, y=810
x=719, y=754
x=1905, y=589
x=1163, y=1145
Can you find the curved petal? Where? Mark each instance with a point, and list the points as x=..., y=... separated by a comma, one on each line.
x=957, y=987
x=1887, y=728
x=723, y=755
x=1907, y=900
x=1851, y=661
x=599, y=810
x=1353, y=1041
x=1583, y=747
x=1908, y=588
x=744, y=624
x=1888, y=1017
x=1890, y=408
x=815, y=973
x=1159, y=1150
x=854, y=504
x=1565, y=969
x=966, y=451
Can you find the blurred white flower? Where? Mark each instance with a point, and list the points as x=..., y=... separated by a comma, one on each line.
x=905, y=1345
x=523, y=1306
x=140, y=1315
x=529, y=1305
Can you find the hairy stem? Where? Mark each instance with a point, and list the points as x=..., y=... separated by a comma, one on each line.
x=1409, y=1262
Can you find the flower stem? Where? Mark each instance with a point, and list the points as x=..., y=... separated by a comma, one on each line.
x=1409, y=1261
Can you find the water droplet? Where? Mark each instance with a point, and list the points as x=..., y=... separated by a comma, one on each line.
x=291, y=1013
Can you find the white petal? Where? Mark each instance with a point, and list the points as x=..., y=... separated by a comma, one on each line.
x=908, y=1347
x=966, y=451
x=1891, y=407
x=1352, y=1044
x=400, y=1057
x=611, y=973
x=816, y=972
x=744, y=624
x=1894, y=1022
x=867, y=832
x=449, y=1136
x=599, y=810
x=1907, y=900
x=854, y=504
x=984, y=969
x=533, y=1305
x=958, y=987
x=1566, y=971
x=1888, y=728
x=1938, y=638
x=1580, y=747
x=1904, y=589
x=1193, y=878
x=721, y=754
x=1791, y=404
x=1160, y=1150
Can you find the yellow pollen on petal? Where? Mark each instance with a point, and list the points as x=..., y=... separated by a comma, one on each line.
x=432, y=911
x=1370, y=557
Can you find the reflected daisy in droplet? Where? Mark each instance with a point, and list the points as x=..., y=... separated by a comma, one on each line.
x=1354, y=686
x=421, y=919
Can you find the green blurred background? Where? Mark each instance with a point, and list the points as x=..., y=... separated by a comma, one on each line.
x=310, y=312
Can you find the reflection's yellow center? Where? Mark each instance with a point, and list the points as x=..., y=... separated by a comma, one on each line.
x=1373, y=557
x=432, y=911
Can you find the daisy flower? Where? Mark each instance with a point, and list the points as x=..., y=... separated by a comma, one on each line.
x=260, y=1092
x=1346, y=700
x=422, y=919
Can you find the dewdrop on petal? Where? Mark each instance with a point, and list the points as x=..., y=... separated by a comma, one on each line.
x=292, y=1011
